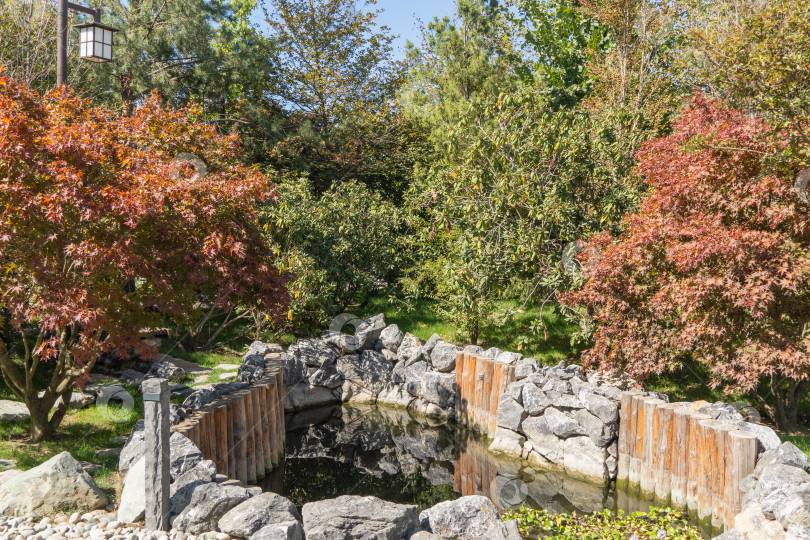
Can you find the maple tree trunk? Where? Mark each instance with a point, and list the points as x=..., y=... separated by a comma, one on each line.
x=787, y=396
x=43, y=424
x=19, y=377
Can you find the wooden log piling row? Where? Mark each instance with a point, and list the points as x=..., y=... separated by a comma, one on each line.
x=683, y=458
x=480, y=383
x=243, y=433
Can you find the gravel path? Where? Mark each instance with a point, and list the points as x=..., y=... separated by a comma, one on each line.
x=97, y=525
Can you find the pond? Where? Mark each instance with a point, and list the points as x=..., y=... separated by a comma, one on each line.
x=386, y=452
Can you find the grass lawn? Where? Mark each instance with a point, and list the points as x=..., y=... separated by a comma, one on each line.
x=421, y=318
x=81, y=433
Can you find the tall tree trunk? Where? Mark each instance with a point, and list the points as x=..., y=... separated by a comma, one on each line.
x=787, y=396
x=43, y=423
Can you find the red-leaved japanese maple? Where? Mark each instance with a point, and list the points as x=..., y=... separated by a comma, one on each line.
x=102, y=235
x=714, y=266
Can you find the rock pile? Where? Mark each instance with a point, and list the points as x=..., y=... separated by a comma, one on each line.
x=56, y=485
x=556, y=417
x=776, y=500
x=378, y=364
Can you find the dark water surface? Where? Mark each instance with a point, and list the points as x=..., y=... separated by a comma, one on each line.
x=386, y=452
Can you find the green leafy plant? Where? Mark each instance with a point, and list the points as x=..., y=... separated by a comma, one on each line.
x=340, y=247
x=658, y=524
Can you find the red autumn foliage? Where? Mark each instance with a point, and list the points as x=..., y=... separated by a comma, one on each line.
x=101, y=235
x=714, y=265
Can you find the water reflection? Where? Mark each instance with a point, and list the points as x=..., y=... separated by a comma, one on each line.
x=390, y=454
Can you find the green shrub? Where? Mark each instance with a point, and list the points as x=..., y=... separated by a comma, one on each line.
x=658, y=524
x=340, y=247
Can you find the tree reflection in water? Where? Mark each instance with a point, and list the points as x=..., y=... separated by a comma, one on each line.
x=386, y=452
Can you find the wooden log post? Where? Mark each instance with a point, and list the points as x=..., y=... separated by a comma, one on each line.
x=250, y=437
x=459, y=386
x=694, y=446
x=707, y=443
x=267, y=427
x=679, y=457
x=240, y=440
x=647, y=480
x=742, y=460
x=723, y=442
x=221, y=438
x=663, y=477
x=258, y=432
x=281, y=434
x=232, y=467
x=275, y=427
x=637, y=441
x=496, y=377
x=627, y=419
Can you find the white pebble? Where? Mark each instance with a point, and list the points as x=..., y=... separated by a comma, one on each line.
x=74, y=518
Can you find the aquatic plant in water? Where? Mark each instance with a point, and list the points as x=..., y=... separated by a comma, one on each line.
x=658, y=523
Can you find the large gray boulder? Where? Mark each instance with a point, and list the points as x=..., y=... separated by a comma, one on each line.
x=562, y=425
x=785, y=454
x=795, y=510
x=410, y=350
x=352, y=517
x=133, y=495
x=582, y=458
x=246, y=519
x=391, y=337
x=506, y=357
x=369, y=331
x=164, y=369
x=600, y=433
x=721, y=411
x=343, y=343
x=439, y=389
x=535, y=401
x=510, y=413
x=603, y=408
x=303, y=396
x=295, y=370
x=207, y=504
x=183, y=454
x=250, y=373
x=262, y=349
x=58, y=485
x=200, y=399
x=443, y=356
x=468, y=517
x=204, y=471
x=544, y=441
x=364, y=375
x=327, y=376
x=413, y=377
x=285, y=530
x=13, y=411
x=772, y=478
x=312, y=352
x=767, y=439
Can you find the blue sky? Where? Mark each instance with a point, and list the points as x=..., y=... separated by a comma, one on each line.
x=400, y=16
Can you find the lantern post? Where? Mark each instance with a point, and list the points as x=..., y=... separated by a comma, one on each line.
x=95, y=41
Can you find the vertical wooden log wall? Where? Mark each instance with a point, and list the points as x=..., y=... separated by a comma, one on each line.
x=243, y=433
x=683, y=458
x=480, y=382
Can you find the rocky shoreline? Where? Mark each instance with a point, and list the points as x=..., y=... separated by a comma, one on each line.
x=551, y=417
